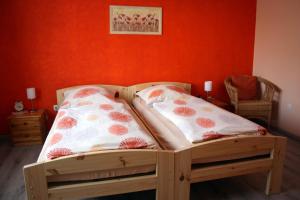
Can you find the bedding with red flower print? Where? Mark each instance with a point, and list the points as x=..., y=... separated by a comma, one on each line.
x=87, y=95
x=103, y=123
x=200, y=120
x=159, y=93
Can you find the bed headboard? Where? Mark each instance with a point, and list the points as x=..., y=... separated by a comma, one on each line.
x=127, y=93
x=132, y=90
x=122, y=91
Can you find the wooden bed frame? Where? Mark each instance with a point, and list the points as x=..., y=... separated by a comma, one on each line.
x=225, y=157
x=38, y=175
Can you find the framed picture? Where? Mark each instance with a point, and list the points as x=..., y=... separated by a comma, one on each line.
x=135, y=20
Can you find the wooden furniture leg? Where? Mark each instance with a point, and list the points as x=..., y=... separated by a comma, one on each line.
x=275, y=174
x=165, y=173
x=182, y=180
x=35, y=182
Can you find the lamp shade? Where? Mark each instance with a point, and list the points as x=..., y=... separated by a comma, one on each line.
x=208, y=86
x=30, y=93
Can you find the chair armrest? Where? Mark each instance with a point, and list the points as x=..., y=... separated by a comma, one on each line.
x=269, y=91
x=232, y=92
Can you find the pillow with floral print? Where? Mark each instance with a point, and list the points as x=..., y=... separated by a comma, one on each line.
x=86, y=95
x=159, y=93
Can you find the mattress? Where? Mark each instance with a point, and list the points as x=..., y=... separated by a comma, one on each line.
x=168, y=134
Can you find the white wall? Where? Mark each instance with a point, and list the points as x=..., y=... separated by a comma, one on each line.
x=277, y=56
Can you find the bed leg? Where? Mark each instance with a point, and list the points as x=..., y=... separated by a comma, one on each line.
x=35, y=182
x=165, y=173
x=275, y=174
x=182, y=175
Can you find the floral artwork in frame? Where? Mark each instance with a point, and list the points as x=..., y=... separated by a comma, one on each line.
x=135, y=20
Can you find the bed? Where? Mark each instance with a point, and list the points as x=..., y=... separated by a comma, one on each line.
x=101, y=173
x=214, y=159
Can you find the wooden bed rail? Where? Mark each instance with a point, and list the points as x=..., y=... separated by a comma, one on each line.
x=230, y=157
x=37, y=185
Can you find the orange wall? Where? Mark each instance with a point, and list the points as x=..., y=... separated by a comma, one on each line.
x=52, y=44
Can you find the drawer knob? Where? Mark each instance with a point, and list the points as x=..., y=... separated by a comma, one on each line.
x=25, y=123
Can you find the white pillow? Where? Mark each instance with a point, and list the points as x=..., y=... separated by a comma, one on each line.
x=85, y=95
x=159, y=93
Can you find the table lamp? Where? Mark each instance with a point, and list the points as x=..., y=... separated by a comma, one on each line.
x=207, y=88
x=31, y=95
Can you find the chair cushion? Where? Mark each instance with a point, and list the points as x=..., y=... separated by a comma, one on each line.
x=246, y=86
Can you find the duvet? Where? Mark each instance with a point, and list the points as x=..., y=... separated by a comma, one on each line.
x=91, y=119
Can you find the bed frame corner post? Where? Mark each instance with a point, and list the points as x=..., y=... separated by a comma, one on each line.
x=275, y=174
x=35, y=182
x=165, y=174
x=182, y=181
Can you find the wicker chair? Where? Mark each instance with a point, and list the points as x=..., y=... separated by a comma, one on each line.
x=259, y=108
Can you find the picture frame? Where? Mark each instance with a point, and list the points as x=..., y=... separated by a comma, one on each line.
x=135, y=20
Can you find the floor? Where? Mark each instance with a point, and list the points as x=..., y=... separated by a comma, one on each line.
x=244, y=187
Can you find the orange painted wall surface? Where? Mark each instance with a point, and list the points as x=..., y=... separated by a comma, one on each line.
x=52, y=44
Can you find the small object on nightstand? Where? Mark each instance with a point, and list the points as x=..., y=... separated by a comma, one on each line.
x=28, y=128
x=19, y=106
x=207, y=88
x=31, y=95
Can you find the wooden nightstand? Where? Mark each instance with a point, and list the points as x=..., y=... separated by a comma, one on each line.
x=28, y=128
x=220, y=104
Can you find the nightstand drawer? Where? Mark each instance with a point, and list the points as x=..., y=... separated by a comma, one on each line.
x=28, y=127
x=24, y=133
x=25, y=124
x=27, y=139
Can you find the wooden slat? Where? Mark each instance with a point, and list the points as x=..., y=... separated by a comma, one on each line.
x=182, y=175
x=231, y=147
x=165, y=174
x=35, y=182
x=113, y=173
x=103, y=188
x=97, y=161
x=232, y=156
x=275, y=175
x=229, y=170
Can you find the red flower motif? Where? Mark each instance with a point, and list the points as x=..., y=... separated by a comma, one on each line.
x=85, y=92
x=118, y=129
x=212, y=135
x=120, y=117
x=56, y=138
x=84, y=103
x=177, y=89
x=205, y=122
x=180, y=102
x=59, y=152
x=133, y=143
x=109, y=96
x=184, y=111
x=66, y=122
x=60, y=114
x=155, y=93
x=106, y=107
